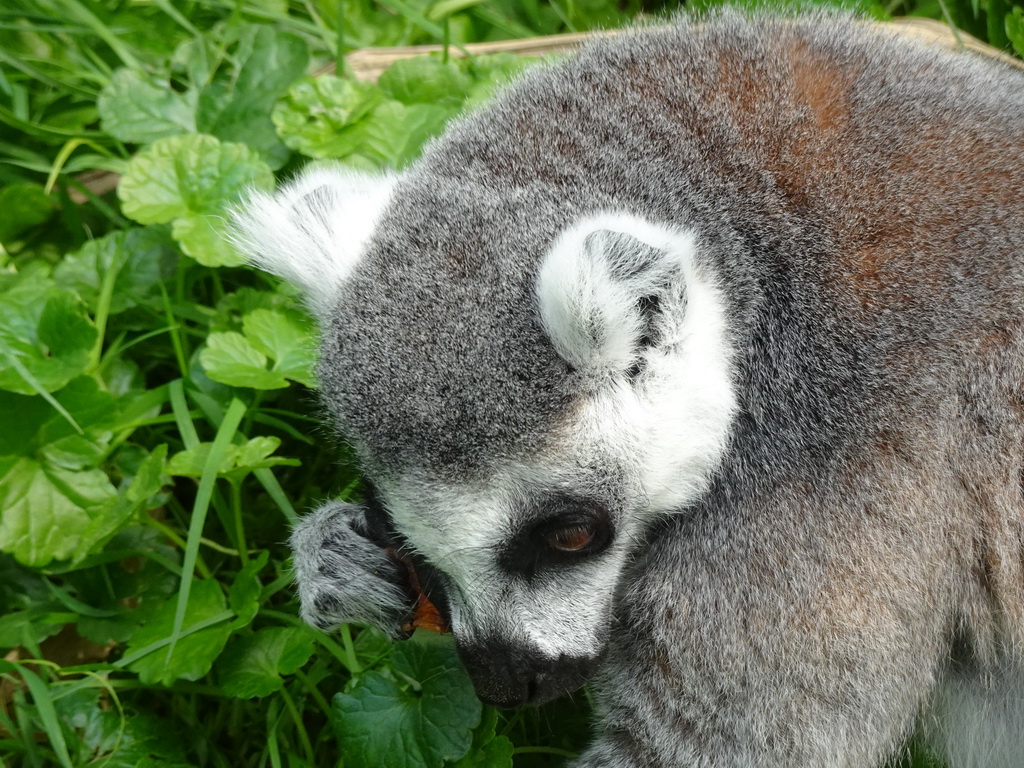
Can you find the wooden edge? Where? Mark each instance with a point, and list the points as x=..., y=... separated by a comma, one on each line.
x=943, y=34
x=368, y=63
x=97, y=182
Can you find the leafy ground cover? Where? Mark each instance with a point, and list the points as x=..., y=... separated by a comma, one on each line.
x=158, y=431
x=156, y=395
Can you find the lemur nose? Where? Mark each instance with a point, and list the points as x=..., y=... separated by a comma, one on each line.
x=506, y=675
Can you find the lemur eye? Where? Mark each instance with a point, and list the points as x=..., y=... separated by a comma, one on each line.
x=564, y=532
x=575, y=529
x=573, y=538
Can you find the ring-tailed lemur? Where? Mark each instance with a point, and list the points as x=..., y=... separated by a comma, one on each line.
x=694, y=361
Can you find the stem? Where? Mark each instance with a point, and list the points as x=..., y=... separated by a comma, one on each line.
x=297, y=718
x=179, y=542
x=350, y=650
x=236, y=510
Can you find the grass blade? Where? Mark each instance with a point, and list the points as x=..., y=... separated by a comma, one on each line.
x=80, y=12
x=273, y=488
x=182, y=417
x=44, y=706
x=228, y=427
x=33, y=382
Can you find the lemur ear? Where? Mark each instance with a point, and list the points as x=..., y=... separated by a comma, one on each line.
x=313, y=230
x=609, y=288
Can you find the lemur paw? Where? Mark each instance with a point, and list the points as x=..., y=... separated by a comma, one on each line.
x=344, y=576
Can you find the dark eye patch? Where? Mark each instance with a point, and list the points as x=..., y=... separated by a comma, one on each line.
x=562, y=532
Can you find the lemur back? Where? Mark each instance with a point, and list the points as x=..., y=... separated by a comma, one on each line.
x=694, y=364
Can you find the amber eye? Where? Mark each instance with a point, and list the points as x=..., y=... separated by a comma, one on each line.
x=572, y=538
x=565, y=533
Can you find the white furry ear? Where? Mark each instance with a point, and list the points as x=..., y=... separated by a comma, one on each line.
x=607, y=287
x=312, y=232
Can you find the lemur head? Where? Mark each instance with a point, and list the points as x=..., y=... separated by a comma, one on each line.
x=528, y=386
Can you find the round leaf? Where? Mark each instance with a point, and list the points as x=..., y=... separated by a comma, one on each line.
x=205, y=239
x=144, y=257
x=253, y=665
x=314, y=116
x=45, y=332
x=286, y=339
x=139, y=109
x=268, y=62
x=230, y=358
x=195, y=652
x=44, y=510
x=426, y=80
x=420, y=720
x=192, y=174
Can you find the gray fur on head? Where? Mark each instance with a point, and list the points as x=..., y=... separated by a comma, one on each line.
x=695, y=360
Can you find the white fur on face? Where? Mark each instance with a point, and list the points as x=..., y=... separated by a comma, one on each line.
x=462, y=531
x=313, y=231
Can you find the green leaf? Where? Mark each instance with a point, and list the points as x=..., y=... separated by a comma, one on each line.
x=418, y=718
x=138, y=108
x=246, y=590
x=230, y=358
x=117, y=512
x=204, y=237
x=24, y=628
x=246, y=300
x=316, y=112
x=426, y=80
x=45, y=712
x=488, y=749
x=251, y=455
x=50, y=495
x=32, y=427
x=372, y=646
x=94, y=412
x=192, y=181
x=182, y=175
x=235, y=74
x=144, y=258
x=1014, y=29
x=276, y=345
x=131, y=589
x=116, y=739
x=394, y=134
x=194, y=652
x=24, y=416
x=24, y=206
x=491, y=72
x=331, y=117
x=45, y=510
x=45, y=332
x=286, y=338
x=252, y=666
x=268, y=61
x=385, y=125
